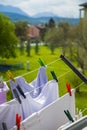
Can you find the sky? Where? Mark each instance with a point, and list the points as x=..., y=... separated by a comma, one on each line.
x=64, y=8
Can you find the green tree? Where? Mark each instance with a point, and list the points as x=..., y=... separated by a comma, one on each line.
x=8, y=38
x=51, y=23
x=65, y=27
x=21, y=31
x=28, y=47
x=36, y=46
x=53, y=38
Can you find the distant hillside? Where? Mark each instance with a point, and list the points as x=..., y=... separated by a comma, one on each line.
x=15, y=14
x=44, y=14
x=12, y=9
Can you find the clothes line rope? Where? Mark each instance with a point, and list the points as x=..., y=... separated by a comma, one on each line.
x=37, y=68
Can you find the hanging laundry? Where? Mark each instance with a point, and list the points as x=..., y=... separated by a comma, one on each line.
x=48, y=94
x=52, y=116
x=35, y=86
x=3, y=90
x=8, y=112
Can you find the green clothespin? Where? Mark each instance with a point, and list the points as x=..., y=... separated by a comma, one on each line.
x=68, y=115
x=41, y=62
x=54, y=75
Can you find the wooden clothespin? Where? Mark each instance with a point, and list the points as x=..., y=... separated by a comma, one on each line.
x=69, y=89
x=10, y=75
x=41, y=62
x=18, y=120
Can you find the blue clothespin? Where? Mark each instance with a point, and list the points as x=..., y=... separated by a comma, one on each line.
x=54, y=75
x=41, y=62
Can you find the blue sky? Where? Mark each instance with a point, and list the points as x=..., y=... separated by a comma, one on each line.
x=64, y=8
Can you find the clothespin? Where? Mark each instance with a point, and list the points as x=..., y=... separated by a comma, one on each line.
x=69, y=89
x=10, y=75
x=16, y=95
x=18, y=120
x=4, y=126
x=21, y=91
x=41, y=62
x=54, y=75
x=68, y=115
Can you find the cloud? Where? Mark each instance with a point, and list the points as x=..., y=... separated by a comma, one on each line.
x=69, y=8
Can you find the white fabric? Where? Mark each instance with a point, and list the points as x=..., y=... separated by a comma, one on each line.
x=8, y=113
x=3, y=89
x=52, y=116
x=35, y=86
x=48, y=94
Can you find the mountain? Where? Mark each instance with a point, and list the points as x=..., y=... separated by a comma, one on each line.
x=16, y=14
x=44, y=14
x=12, y=9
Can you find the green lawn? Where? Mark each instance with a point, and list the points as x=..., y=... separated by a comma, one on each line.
x=63, y=72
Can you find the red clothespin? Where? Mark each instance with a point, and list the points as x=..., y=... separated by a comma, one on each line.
x=18, y=120
x=69, y=89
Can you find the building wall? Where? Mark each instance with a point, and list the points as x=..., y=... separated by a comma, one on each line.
x=34, y=32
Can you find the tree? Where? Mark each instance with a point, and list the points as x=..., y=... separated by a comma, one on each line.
x=21, y=29
x=36, y=46
x=8, y=38
x=51, y=23
x=53, y=38
x=28, y=47
x=65, y=27
x=82, y=46
x=21, y=32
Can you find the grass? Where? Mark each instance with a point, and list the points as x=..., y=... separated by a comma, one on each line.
x=62, y=71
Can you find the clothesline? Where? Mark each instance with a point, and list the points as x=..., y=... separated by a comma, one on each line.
x=37, y=68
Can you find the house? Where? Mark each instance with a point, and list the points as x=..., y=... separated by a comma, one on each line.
x=84, y=10
x=34, y=32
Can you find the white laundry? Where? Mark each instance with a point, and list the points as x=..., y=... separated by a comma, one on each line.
x=52, y=116
x=3, y=90
x=48, y=94
x=35, y=86
x=8, y=113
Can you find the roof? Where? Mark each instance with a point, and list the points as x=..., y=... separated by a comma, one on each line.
x=84, y=4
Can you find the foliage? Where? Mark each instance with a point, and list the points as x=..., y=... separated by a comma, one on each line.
x=80, y=41
x=36, y=47
x=51, y=23
x=28, y=47
x=54, y=38
x=21, y=29
x=8, y=39
x=65, y=28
